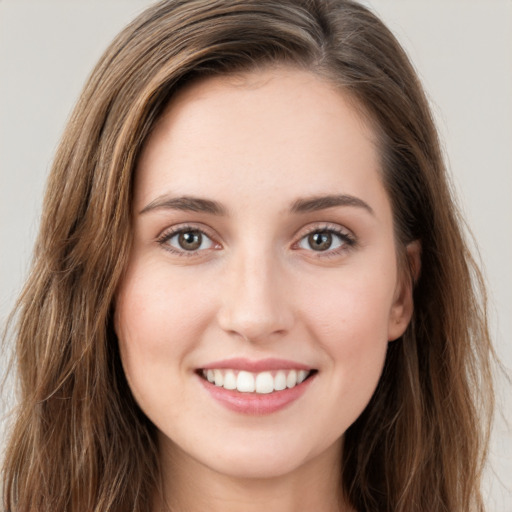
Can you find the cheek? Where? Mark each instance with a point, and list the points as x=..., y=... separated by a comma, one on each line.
x=349, y=320
x=155, y=325
x=351, y=311
x=154, y=305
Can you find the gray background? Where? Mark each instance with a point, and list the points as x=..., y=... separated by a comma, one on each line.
x=462, y=50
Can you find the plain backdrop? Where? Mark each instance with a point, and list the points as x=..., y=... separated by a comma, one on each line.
x=462, y=50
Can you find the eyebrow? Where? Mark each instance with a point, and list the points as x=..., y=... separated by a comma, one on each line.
x=184, y=203
x=311, y=204
x=302, y=205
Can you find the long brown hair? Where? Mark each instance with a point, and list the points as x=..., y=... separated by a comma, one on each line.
x=80, y=442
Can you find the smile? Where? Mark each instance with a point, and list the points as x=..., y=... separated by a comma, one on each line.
x=250, y=382
x=256, y=387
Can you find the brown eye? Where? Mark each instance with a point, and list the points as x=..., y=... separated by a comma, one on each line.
x=325, y=240
x=320, y=240
x=189, y=240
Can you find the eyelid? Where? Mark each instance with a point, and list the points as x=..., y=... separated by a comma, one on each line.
x=174, y=230
x=346, y=235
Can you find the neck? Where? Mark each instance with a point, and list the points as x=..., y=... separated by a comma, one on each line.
x=191, y=486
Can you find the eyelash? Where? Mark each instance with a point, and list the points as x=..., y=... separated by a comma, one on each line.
x=172, y=232
x=348, y=241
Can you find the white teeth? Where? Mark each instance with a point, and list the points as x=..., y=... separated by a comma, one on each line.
x=229, y=380
x=219, y=377
x=262, y=383
x=300, y=376
x=245, y=382
x=291, y=380
x=280, y=381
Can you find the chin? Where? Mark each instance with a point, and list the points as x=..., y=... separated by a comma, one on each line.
x=260, y=465
x=267, y=455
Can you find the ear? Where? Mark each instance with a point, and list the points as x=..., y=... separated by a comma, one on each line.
x=403, y=304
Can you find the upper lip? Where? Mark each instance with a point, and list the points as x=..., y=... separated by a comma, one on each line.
x=260, y=365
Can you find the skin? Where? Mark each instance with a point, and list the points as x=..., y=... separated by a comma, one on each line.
x=256, y=288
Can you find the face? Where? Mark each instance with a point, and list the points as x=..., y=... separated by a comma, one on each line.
x=262, y=287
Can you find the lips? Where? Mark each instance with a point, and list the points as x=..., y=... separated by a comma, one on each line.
x=261, y=382
x=256, y=387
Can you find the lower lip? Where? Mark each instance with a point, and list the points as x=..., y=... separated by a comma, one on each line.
x=253, y=403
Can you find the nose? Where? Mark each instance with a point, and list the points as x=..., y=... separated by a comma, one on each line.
x=256, y=301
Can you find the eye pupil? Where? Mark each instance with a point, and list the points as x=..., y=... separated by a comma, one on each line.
x=190, y=240
x=320, y=241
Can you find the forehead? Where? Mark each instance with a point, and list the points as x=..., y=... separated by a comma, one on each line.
x=278, y=129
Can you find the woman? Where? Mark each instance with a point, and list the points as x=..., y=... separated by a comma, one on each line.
x=250, y=286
